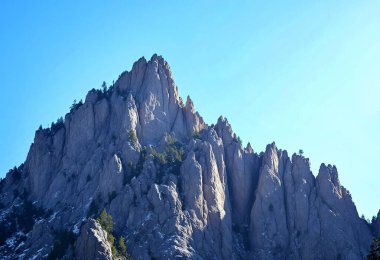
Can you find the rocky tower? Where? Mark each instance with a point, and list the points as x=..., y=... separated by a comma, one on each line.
x=175, y=186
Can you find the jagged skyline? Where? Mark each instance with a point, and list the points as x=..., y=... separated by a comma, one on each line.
x=315, y=65
x=171, y=185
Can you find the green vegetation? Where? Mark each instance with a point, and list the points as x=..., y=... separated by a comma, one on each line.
x=73, y=105
x=55, y=126
x=237, y=139
x=106, y=222
x=196, y=135
x=374, y=252
x=16, y=173
x=104, y=92
x=172, y=153
x=367, y=221
x=169, y=139
x=62, y=241
x=133, y=137
x=300, y=152
x=170, y=159
x=123, y=248
x=104, y=87
x=135, y=170
x=76, y=105
x=160, y=158
x=20, y=218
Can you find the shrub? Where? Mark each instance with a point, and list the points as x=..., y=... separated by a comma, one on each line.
x=73, y=104
x=135, y=170
x=237, y=138
x=16, y=173
x=106, y=221
x=7, y=227
x=174, y=154
x=196, y=135
x=111, y=241
x=76, y=105
x=21, y=218
x=170, y=159
x=122, y=248
x=133, y=137
x=169, y=139
x=27, y=215
x=160, y=158
x=374, y=252
x=57, y=125
x=104, y=87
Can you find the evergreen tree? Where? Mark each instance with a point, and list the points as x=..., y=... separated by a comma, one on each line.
x=73, y=105
x=105, y=220
x=104, y=87
x=122, y=246
x=374, y=252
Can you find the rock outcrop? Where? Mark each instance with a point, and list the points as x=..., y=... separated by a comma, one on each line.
x=92, y=242
x=175, y=186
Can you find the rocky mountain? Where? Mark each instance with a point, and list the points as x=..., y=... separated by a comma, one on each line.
x=174, y=186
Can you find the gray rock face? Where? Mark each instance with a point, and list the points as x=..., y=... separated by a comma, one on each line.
x=174, y=186
x=92, y=242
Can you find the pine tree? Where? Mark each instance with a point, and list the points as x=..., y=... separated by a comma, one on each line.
x=104, y=87
x=73, y=106
x=105, y=220
x=122, y=246
x=374, y=252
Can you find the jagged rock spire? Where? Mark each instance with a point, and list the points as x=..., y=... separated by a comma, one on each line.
x=202, y=196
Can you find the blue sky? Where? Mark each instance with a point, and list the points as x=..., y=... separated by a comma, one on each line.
x=304, y=74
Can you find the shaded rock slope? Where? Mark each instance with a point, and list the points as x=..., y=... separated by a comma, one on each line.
x=175, y=186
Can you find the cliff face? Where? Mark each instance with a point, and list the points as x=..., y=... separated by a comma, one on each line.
x=173, y=185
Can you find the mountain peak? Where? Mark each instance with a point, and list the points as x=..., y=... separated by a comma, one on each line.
x=174, y=186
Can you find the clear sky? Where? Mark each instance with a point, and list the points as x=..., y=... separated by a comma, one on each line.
x=304, y=74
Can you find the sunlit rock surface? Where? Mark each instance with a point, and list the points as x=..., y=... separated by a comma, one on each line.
x=175, y=186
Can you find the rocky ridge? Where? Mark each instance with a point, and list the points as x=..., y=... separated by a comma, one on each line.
x=175, y=186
